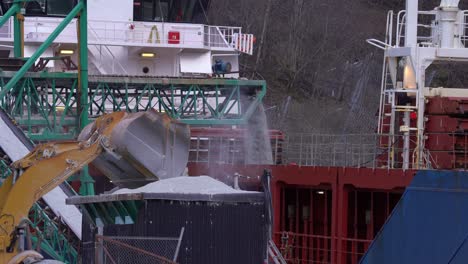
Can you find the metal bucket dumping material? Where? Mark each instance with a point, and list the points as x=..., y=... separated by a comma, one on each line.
x=144, y=147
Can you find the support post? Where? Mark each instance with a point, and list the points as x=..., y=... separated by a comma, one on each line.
x=411, y=30
x=87, y=182
x=18, y=35
x=406, y=140
x=342, y=220
x=334, y=221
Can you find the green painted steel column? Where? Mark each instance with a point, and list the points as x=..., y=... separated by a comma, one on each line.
x=42, y=48
x=83, y=64
x=18, y=35
x=87, y=182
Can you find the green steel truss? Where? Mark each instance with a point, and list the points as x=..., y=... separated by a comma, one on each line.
x=51, y=106
x=47, y=236
x=45, y=105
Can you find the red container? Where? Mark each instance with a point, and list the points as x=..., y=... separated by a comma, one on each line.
x=173, y=37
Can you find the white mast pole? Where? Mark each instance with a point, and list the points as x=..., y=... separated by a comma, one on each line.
x=411, y=23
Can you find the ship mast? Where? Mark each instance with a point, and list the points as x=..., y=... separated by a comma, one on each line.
x=415, y=40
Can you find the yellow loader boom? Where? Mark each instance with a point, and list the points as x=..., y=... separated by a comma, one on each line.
x=50, y=164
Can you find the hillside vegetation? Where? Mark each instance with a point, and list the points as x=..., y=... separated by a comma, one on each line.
x=322, y=75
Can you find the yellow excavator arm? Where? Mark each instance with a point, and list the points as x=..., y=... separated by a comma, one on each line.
x=45, y=168
x=50, y=164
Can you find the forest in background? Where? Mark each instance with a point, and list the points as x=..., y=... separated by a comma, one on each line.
x=322, y=76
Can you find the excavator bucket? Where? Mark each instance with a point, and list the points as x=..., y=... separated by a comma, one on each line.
x=143, y=147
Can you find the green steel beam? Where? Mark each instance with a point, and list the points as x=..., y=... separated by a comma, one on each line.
x=104, y=213
x=87, y=182
x=50, y=237
x=132, y=207
x=138, y=80
x=123, y=211
x=18, y=35
x=44, y=246
x=45, y=104
x=115, y=213
x=5, y=170
x=83, y=65
x=15, y=8
x=30, y=62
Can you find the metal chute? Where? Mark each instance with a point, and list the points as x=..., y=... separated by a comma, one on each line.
x=143, y=147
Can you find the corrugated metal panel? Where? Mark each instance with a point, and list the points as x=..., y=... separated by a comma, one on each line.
x=87, y=241
x=215, y=232
x=429, y=224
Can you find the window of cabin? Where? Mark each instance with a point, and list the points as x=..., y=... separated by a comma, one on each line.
x=4, y=6
x=148, y=10
x=35, y=8
x=161, y=11
x=188, y=11
x=59, y=8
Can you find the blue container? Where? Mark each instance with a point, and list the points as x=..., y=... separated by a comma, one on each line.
x=428, y=225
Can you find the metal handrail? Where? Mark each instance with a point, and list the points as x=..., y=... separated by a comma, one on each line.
x=400, y=23
x=378, y=43
x=352, y=150
x=114, y=60
x=389, y=28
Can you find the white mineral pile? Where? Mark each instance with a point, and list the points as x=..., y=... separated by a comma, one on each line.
x=185, y=185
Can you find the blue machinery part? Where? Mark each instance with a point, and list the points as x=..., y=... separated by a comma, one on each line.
x=220, y=68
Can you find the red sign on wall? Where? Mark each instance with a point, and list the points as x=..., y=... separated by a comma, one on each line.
x=173, y=37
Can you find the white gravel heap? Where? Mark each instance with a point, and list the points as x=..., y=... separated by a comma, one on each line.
x=185, y=185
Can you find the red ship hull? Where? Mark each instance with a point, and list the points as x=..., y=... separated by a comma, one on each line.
x=323, y=214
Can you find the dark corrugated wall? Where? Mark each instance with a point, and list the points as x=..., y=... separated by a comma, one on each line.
x=215, y=232
x=428, y=225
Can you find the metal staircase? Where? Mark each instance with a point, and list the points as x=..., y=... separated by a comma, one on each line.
x=104, y=59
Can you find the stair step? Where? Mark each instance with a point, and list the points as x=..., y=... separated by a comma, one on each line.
x=11, y=64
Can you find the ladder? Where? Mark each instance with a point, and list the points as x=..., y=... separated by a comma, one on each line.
x=274, y=254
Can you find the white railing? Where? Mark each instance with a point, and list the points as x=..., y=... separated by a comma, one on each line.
x=165, y=34
x=135, y=33
x=104, y=55
x=37, y=29
x=229, y=37
x=389, y=28
x=221, y=37
x=427, y=31
x=347, y=150
x=464, y=29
